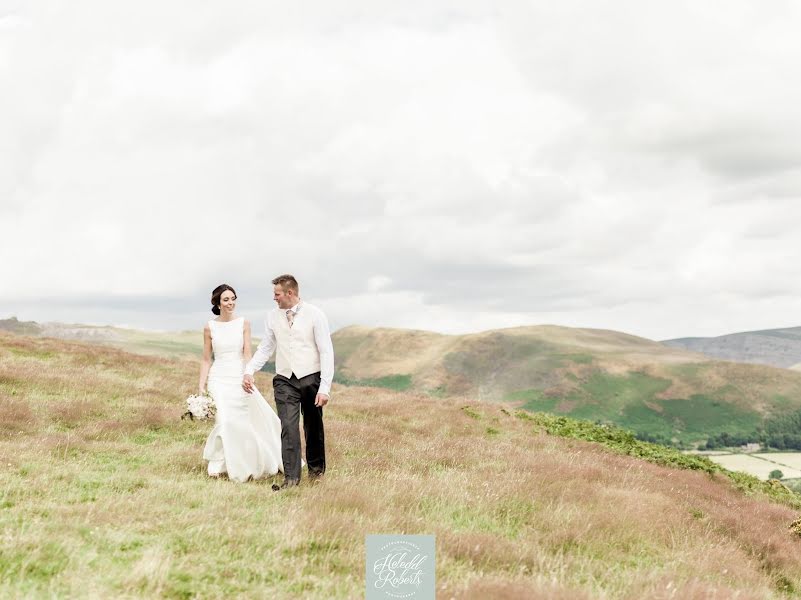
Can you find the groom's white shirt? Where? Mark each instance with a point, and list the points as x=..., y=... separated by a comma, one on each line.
x=302, y=349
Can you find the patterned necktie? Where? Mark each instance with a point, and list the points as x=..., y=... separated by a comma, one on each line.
x=290, y=316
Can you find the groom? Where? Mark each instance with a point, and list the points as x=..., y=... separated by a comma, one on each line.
x=304, y=367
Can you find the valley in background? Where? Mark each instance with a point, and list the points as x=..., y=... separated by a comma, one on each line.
x=663, y=394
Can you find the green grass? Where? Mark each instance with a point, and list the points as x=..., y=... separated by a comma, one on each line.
x=533, y=400
x=470, y=412
x=605, y=396
x=165, y=347
x=632, y=401
x=173, y=344
x=32, y=353
x=509, y=360
x=437, y=392
x=783, y=402
x=398, y=383
x=580, y=358
x=688, y=419
x=688, y=370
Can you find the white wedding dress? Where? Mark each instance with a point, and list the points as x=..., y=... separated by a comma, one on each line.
x=246, y=439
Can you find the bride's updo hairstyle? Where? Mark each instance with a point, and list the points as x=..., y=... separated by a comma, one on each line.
x=215, y=297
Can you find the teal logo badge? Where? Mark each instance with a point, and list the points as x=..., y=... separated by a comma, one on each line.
x=400, y=567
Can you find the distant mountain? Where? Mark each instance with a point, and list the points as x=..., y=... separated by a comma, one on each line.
x=160, y=343
x=775, y=347
x=14, y=325
x=662, y=392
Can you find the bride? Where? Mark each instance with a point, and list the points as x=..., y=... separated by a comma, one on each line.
x=245, y=442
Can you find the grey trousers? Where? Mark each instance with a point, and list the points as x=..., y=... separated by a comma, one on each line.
x=294, y=397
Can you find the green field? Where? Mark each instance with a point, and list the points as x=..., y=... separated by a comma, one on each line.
x=399, y=383
x=760, y=465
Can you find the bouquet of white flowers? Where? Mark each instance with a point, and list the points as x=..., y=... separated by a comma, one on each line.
x=200, y=407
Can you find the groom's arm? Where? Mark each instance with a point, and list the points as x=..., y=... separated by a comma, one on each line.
x=264, y=351
x=322, y=337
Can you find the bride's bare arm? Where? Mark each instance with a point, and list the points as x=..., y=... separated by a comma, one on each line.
x=247, y=351
x=205, y=363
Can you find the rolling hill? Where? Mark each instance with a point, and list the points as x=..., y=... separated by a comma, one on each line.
x=665, y=394
x=103, y=494
x=775, y=347
x=660, y=392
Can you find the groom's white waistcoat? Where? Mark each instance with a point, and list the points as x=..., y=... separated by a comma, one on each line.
x=302, y=349
x=295, y=349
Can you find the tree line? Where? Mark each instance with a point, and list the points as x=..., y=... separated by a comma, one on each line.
x=782, y=432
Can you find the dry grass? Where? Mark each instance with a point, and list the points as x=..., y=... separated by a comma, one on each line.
x=104, y=494
x=15, y=414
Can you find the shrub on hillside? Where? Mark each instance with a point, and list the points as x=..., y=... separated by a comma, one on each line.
x=625, y=442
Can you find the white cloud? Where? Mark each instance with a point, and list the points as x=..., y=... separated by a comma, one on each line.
x=451, y=166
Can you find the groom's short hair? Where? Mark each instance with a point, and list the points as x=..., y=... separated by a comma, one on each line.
x=287, y=282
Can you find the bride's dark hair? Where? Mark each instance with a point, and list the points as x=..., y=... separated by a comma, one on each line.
x=215, y=297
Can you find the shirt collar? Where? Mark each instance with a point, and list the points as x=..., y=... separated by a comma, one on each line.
x=295, y=308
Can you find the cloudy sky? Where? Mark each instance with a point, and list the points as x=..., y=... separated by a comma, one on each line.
x=448, y=165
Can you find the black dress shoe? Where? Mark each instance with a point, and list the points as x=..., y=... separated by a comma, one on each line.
x=287, y=483
x=315, y=476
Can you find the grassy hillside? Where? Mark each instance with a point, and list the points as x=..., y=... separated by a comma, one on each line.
x=663, y=393
x=103, y=494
